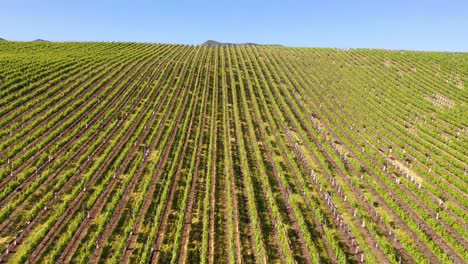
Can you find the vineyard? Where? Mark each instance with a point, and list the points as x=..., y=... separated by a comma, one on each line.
x=139, y=153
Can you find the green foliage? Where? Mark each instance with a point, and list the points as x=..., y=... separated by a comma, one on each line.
x=134, y=152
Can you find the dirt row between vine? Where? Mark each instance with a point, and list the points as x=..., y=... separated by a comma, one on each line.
x=76, y=154
x=427, y=230
x=423, y=167
x=317, y=225
x=130, y=243
x=234, y=148
x=175, y=180
x=32, y=222
x=194, y=183
x=67, y=254
x=284, y=195
x=31, y=160
x=405, y=226
x=77, y=201
x=42, y=85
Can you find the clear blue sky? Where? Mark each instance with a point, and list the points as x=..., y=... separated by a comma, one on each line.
x=397, y=24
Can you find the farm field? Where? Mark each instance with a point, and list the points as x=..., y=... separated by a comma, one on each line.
x=139, y=153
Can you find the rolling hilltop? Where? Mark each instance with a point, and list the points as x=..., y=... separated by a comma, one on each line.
x=127, y=152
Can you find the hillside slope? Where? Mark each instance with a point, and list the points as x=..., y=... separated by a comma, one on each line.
x=136, y=152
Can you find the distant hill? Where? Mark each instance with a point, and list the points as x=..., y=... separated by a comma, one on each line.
x=212, y=43
x=216, y=43
x=40, y=40
x=1, y=39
